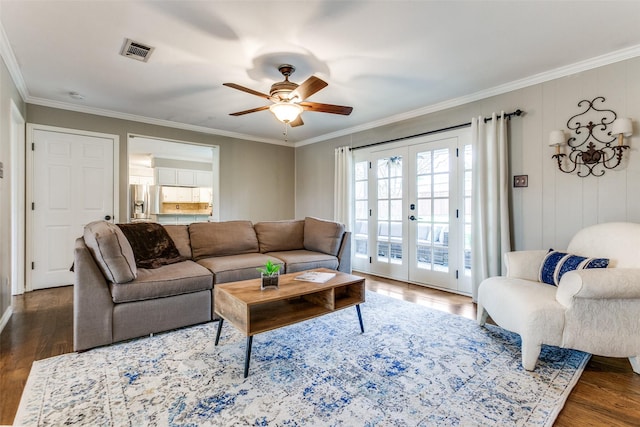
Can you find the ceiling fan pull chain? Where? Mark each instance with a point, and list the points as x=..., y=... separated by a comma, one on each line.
x=285, y=133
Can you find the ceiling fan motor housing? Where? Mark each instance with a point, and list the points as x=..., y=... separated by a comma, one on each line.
x=282, y=89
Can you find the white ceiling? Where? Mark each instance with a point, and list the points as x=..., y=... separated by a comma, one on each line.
x=389, y=60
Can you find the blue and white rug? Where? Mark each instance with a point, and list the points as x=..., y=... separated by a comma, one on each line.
x=413, y=366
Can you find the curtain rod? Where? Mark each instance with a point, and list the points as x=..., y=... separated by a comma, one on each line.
x=516, y=113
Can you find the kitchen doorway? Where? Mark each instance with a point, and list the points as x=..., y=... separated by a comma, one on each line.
x=172, y=182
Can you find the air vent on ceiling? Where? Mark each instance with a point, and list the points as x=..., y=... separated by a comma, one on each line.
x=136, y=50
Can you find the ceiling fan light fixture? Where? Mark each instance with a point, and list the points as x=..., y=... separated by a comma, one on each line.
x=286, y=112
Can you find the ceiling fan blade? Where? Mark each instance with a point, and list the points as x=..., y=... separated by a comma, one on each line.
x=253, y=110
x=297, y=122
x=326, y=108
x=308, y=88
x=246, y=89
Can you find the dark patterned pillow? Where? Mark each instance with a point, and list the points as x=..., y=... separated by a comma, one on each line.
x=555, y=264
x=152, y=246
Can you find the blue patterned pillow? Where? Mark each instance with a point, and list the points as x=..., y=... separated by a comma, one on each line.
x=555, y=264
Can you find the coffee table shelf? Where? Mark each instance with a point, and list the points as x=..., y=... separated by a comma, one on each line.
x=253, y=310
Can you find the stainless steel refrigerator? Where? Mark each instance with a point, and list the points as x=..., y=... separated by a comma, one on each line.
x=143, y=200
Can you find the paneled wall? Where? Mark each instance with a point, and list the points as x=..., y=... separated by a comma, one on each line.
x=554, y=205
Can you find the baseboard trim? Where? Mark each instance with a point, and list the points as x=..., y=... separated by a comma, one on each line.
x=5, y=317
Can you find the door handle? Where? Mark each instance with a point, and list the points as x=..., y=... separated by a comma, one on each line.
x=412, y=218
x=107, y=217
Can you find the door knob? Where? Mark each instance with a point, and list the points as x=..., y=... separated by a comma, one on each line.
x=412, y=218
x=107, y=217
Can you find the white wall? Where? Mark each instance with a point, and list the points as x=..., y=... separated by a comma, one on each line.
x=555, y=205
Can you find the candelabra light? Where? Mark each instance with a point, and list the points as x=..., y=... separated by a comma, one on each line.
x=592, y=150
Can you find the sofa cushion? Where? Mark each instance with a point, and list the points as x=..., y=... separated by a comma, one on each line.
x=322, y=236
x=556, y=263
x=222, y=238
x=302, y=259
x=152, y=246
x=280, y=235
x=111, y=250
x=232, y=268
x=165, y=281
x=180, y=236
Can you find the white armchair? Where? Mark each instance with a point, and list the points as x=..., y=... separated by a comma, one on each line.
x=593, y=310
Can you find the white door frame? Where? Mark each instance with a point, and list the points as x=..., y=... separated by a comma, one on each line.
x=463, y=136
x=31, y=128
x=215, y=168
x=18, y=142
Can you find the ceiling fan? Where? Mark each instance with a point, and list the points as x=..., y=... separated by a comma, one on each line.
x=289, y=98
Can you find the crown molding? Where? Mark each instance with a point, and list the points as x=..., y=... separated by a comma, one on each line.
x=159, y=122
x=14, y=70
x=578, y=67
x=609, y=58
x=12, y=64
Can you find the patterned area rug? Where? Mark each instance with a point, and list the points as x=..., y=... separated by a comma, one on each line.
x=413, y=366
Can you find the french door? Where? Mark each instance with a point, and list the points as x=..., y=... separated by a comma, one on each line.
x=413, y=212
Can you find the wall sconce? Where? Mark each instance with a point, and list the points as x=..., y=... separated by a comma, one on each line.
x=593, y=144
x=622, y=128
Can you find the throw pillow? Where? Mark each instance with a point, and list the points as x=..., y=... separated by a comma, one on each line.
x=323, y=236
x=152, y=246
x=111, y=250
x=274, y=236
x=222, y=238
x=556, y=263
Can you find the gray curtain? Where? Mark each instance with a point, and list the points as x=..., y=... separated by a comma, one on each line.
x=491, y=224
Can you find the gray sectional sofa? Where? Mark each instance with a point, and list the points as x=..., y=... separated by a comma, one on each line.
x=115, y=300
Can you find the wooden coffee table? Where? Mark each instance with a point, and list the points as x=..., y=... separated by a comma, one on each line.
x=253, y=311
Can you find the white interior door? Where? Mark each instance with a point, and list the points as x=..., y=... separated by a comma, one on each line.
x=73, y=183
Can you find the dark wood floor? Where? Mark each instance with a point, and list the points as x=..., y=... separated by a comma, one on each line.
x=608, y=393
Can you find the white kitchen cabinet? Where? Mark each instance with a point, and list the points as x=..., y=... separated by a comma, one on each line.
x=185, y=195
x=167, y=219
x=166, y=176
x=201, y=218
x=180, y=195
x=204, y=195
x=185, y=219
x=185, y=177
x=204, y=178
x=169, y=194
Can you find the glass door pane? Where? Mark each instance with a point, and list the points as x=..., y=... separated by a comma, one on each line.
x=467, y=191
x=432, y=213
x=361, y=226
x=387, y=175
x=389, y=197
x=432, y=239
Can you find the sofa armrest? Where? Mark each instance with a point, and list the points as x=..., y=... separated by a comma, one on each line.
x=524, y=264
x=92, y=302
x=599, y=283
x=344, y=253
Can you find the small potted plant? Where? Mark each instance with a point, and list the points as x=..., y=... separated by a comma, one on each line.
x=269, y=274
